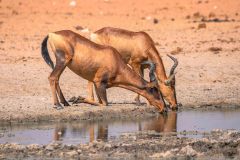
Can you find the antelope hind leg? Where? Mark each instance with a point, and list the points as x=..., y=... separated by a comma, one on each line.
x=62, y=98
x=61, y=63
x=53, y=80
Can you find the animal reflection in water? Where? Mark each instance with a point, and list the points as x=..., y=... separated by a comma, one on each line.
x=166, y=123
x=81, y=130
x=100, y=131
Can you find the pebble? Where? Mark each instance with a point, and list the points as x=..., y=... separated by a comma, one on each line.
x=202, y=25
x=72, y=153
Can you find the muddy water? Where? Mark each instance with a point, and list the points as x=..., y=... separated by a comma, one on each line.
x=84, y=132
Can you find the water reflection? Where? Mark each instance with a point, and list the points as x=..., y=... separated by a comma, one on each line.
x=84, y=132
x=166, y=123
x=103, y=130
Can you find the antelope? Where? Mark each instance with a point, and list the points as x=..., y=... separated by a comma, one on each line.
x=101, y=65
x=134, y=48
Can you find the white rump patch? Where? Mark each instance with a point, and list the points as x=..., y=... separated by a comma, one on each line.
x=93, y=37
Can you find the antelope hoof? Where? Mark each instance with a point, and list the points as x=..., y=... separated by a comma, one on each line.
x=164, y=111
x=103, y=105
x=58, y=106
x=79, y=99
x=65, y=103
x=174, y=108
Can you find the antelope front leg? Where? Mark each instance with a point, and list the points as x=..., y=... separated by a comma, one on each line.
x=90, y=99
x=101, y=93
x=137, y=68
x=90, y=91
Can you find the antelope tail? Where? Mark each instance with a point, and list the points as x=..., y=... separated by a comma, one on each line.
x=45, y=53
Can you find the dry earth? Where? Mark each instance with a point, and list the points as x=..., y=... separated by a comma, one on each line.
x=202, y=34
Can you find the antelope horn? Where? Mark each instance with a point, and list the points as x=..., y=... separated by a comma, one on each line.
x=151, y=70
x=170, y=78
x=172, y=74
x=174, y=65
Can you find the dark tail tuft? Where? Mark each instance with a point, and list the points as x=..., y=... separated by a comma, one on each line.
x=45, y=53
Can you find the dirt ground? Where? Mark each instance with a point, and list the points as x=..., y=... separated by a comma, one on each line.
x=201, y=34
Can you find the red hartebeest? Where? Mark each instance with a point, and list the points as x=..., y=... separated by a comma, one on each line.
x=96, y=63
x=134, y=48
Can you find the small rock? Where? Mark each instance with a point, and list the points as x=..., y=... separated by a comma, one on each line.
x=49, y=154
x=79, y=151
x=202, y=25
x=72, y=153
x=40, y=152
x=188, y=150
x=33, y=146
x=188, y=17
x=155, y=20
x=148, y=18
x=14, y=12
x=197, y=15
x=19, y=147
x=163, y=154
x=61, y=154
x=79, y=28
x=211, y=15
x=49, y=147
x=73, y=3
x=176, y=51
x=107, y=146
x=215, y=49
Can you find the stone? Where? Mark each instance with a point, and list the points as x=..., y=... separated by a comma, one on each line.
x=49, y=147
x=155, y=21
x=202, y=25
x=176, y=51
x=72, y=153
x=188, y=150
x=163, y=154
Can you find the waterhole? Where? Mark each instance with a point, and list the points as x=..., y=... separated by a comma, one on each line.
x=84, y=132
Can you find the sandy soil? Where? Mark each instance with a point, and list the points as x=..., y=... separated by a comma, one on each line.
x=207, y=76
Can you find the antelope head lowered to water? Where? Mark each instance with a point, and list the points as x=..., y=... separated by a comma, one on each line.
x=136, y=47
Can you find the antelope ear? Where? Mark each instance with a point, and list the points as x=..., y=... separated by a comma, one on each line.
x=169, y=80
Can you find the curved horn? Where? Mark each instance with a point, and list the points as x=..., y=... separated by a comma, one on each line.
x=174, y=65
x=170, y=78
x=151, y=70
